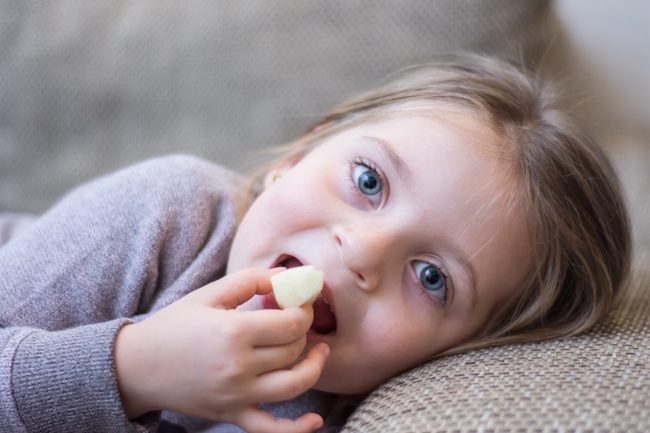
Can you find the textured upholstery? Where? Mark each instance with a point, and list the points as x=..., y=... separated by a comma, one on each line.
x=90, y=86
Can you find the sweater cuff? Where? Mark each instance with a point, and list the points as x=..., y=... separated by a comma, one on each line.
x=66, y=381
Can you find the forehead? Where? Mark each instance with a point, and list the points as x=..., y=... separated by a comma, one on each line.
x=451, y=157
x=458, y=144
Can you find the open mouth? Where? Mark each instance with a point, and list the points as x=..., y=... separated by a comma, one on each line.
x=288, y=262
x=324, y=318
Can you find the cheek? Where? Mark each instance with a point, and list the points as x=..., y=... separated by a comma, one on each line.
x=396, y=339
x=411, y=330
x=382, y=348
x=256, y=235
x=286, y=208
x=273, y=210
x=307, y=197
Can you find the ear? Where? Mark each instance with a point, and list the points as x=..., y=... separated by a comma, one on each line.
x=276, y=173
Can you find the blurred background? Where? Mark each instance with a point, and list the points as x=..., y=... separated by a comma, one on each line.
x=607, y=44
x=87, y=87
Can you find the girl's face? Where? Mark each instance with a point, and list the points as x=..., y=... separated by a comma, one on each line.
x=411, y=225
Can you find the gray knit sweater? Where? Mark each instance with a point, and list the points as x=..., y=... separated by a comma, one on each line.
x=110, y=252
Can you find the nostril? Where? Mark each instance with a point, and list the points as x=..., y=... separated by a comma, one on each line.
x=362, y=281
x=338, y=240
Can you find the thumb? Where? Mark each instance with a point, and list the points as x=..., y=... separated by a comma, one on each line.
x=234, y=289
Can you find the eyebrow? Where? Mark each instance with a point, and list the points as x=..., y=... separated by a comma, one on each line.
x=467, y=266
x=398, y=163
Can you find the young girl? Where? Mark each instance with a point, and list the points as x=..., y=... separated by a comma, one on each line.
x=452, y=208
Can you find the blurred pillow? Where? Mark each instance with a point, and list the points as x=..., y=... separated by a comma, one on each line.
x=89, y=86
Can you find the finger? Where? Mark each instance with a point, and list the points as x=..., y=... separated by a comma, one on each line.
x=255, y=420
x=271, y=358
x=274, y=327
x=234, y=289
x=286, y=384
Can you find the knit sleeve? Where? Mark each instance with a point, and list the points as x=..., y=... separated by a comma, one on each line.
x=112, y=251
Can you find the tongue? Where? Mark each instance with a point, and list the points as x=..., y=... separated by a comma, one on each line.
x=324, y=320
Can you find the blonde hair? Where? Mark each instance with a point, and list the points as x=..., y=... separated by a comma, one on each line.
x=567, y=191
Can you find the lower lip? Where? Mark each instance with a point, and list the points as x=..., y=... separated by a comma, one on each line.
x=318, y=338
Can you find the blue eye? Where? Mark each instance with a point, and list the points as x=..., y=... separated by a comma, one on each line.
x=432, y=280
x=369, y=183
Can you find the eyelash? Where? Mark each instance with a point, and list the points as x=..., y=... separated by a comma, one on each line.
x=424, y=291
x=372, y=167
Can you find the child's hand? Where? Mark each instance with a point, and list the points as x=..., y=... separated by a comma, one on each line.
x=199, y=356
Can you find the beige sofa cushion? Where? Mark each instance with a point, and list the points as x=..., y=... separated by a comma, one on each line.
x=90, y=86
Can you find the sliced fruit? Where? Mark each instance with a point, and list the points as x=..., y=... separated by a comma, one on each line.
x=297, y=286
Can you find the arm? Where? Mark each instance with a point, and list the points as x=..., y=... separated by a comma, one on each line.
x=119, y=247
x=62, y=381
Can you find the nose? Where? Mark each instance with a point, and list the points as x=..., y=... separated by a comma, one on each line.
x=365, y=252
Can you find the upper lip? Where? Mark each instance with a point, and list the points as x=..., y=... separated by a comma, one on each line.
x=284, y=257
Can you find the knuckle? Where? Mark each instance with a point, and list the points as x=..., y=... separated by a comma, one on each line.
x=237, y=368
x=298, y=385
x=295, y=326
x=235, y=377
x=233, y=331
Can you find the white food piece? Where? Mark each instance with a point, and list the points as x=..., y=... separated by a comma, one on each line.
x=297, y=286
